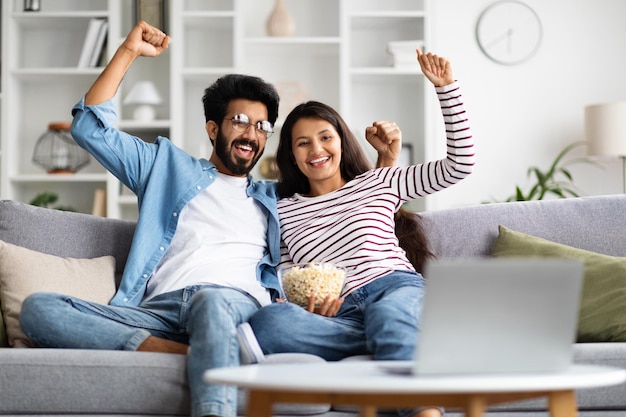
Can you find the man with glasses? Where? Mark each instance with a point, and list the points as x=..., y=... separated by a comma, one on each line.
x=205, y=229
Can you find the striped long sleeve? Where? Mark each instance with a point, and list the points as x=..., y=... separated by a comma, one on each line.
x=353, y=226
x=434, y=176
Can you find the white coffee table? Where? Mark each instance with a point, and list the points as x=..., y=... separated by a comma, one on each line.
x=368, y=386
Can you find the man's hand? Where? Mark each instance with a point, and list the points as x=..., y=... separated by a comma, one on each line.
x=142, y=40
x=385, y=136
x=436, y=68
x=146, y=40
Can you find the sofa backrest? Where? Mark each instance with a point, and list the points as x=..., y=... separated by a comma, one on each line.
x=596, y=224
x=592, y=223
x=64, y=233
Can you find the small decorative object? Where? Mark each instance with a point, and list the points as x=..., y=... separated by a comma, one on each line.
x=32, y=5
x=58, y=152
x=145, y=95
x=268, y=168
x=99, y=203
x=280, y=22
x=403, y=53
x=152, y=12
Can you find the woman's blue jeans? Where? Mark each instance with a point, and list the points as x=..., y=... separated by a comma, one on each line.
x=379, y=319
x=204, y=316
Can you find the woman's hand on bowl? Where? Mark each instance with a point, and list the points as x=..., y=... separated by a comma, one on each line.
x=328, y=308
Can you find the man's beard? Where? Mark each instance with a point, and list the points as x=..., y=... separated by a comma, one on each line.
x=234, y=164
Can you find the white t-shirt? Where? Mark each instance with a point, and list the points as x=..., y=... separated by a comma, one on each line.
x=220, y=238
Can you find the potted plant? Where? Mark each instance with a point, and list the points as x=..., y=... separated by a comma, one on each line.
x=557, y=180
x=46, y=199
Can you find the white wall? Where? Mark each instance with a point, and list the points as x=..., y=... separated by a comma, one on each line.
x=524, y=115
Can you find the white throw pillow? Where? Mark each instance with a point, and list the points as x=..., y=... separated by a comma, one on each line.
x=24, y=271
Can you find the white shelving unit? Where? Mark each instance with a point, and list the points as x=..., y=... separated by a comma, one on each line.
x=40, y=83
x=2, y=48
x=337, y=55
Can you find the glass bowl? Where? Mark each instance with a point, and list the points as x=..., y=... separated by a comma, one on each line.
x=298, y=281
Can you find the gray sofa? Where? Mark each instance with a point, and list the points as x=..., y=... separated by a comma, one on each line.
x=74, y=382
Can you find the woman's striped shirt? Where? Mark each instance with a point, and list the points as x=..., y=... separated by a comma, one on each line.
x=353, y=226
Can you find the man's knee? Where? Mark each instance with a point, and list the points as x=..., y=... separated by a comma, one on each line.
x=209, y=300
x=220, y=307
x=36, y=309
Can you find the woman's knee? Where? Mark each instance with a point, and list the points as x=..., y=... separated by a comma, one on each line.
x=276, y=313
x=273, y=318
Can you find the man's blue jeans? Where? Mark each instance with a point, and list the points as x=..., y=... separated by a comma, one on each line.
x=204, y=316
x=379, y=319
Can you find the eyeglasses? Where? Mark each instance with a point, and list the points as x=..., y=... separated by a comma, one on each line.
x=241, y=123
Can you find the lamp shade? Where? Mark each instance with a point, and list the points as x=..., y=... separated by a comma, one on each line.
x=57, y=152
x=605, y=129
x=143, y=92
x=145, y=95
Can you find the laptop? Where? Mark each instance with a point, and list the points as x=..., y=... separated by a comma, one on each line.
x=497, y=315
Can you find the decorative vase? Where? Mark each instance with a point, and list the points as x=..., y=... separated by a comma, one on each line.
x=280, y=22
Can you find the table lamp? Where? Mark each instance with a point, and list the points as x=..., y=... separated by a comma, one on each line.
x=605, y=131
x=145, y=95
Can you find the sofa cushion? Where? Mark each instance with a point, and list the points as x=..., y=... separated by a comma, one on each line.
x=24, y=271
x=602, y=315
x=92, y=382
x=65, y=233
x=114, y=383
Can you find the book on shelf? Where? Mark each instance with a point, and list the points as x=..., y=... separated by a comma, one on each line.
x=98, y=49
x=94, y=43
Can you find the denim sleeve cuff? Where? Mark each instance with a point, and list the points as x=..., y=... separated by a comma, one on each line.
x=104, y=112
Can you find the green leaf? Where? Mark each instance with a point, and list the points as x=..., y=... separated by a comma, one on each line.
x=566, y=173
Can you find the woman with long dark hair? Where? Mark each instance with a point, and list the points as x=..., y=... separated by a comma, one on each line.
x=334, y=208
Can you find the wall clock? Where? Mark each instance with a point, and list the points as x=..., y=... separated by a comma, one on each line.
x=508, y=32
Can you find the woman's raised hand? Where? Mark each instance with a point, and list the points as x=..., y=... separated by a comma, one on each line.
x=436, y=68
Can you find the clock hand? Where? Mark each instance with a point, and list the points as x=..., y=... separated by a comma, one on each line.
x=505, y=36
x=509, y=40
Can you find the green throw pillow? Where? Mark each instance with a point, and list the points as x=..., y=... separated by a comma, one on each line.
x=602, y=315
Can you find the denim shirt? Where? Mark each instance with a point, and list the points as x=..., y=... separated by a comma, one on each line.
x=164, y=178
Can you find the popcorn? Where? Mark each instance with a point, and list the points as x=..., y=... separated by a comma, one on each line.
x=323, y=279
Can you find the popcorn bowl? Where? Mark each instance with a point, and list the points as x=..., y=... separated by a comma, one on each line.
x=298, y=281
